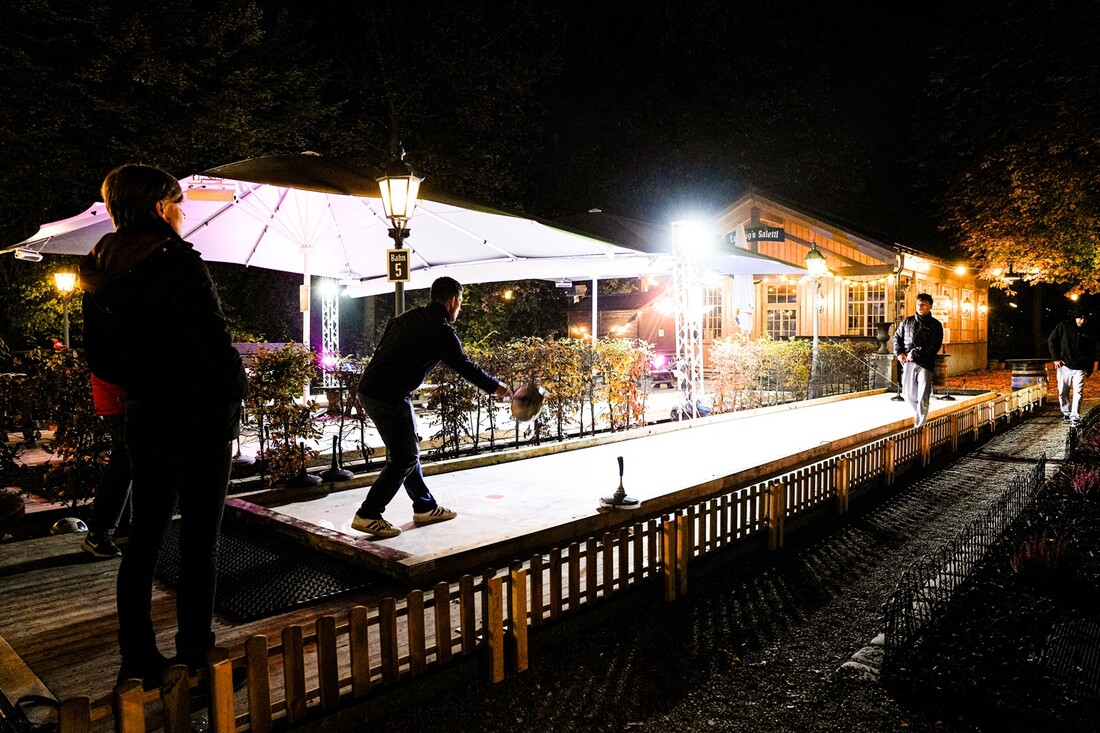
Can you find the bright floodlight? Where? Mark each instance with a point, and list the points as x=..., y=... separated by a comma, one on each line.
x=815, y=263
x=65, y=282
x=689, y=236
x=330, y=288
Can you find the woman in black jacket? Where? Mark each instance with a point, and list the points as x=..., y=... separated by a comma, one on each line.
x=153, y=325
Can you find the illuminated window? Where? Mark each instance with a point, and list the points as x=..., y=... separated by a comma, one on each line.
x=712, y=316
x=781, y=318
x=866, y=307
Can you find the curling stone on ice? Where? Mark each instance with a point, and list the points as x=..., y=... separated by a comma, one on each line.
x=527, y=401
x=620, y=500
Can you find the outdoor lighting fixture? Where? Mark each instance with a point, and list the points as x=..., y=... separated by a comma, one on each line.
x=563, y=284
x=28, y=255
x=816, y=268
x=508, y=294
x=816, y=265
x=400, y=190
x=1073, y=297
x=960, y=270
x=968, y=308
x=689, y=236
x=209, y=189
x=66, y=283
x=1010, y=276
x=982, y=309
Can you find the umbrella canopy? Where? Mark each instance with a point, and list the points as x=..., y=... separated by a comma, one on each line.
x=311, y=215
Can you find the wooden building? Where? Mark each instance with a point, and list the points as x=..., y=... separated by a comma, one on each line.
x=872, y=282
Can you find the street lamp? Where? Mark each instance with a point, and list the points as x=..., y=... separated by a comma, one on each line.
x=400, y=190
x=66, y=283
x=816, y=268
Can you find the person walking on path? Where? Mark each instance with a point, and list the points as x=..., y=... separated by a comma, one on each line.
x=113, y=491
x=917, y=340
x=183, y=403
x=412, y=345
x=1074, y=352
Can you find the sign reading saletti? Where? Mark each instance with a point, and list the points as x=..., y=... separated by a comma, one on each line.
x=765, y=234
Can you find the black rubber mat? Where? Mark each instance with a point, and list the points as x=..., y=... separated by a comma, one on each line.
x=261, y=575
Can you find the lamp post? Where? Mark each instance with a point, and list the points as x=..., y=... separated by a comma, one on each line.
x=817, y=268
x=400, y=190
x=65, y=282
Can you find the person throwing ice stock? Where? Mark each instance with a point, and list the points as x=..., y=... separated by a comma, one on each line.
x=412, y=345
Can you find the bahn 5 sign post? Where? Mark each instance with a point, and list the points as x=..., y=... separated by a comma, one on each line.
x=397, y=265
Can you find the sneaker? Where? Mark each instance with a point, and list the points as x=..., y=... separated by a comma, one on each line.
x=439, y=514
x=377, y=527
x=1066, y=419
x=101, y=546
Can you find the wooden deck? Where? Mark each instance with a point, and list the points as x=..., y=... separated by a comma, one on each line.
x=58, y=613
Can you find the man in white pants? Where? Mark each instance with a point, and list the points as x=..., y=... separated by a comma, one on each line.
x=1074, y=352
x=916, y=341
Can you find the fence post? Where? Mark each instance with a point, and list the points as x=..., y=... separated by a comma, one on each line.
x=777, y=512
x=294, y=673
x=129, y=703
x=843, y=470
x=684, y=537
x=328, y=669
x=955, y=433
x=75, y=715
x=669, y=545
x=493, y=624
x=259, y=685
x=359, y=650
x=222, y=718
x=889, y=459
x=517, y=615
x=924, y=435
x=415, y=625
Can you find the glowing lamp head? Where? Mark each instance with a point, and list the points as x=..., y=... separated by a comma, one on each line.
x=815, y=263
x=65, y=282
x=400, y=190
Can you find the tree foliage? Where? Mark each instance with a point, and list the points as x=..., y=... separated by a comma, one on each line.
x=1019, y=143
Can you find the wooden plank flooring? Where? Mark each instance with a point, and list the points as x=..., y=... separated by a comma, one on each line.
x=57, y=610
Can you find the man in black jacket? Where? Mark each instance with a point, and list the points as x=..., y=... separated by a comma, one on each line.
x=412, y=345
x=153, y=325
x=1074, y=352
x=916, y=341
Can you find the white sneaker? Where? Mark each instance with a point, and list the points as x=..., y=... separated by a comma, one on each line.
x=439, y=514
x=377, y=527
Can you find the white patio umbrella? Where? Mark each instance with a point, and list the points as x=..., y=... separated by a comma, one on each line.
x=311, y=215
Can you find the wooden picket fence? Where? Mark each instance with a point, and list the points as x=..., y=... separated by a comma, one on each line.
x=337, y=661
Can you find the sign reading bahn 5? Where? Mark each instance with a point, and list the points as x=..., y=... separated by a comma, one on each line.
x=397, y=265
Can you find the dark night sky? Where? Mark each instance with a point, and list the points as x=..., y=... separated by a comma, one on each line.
x=668, y=109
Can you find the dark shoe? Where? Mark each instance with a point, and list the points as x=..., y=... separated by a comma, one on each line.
x=101, y=546
x=150, y=672
x=1065, y=418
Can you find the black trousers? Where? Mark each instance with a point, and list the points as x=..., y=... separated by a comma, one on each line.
x=170, y=466
x=114, y=489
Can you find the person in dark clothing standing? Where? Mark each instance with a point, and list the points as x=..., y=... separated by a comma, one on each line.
x=183, y=402
x=1074, y=352
x=412, y=345
x=917, y=340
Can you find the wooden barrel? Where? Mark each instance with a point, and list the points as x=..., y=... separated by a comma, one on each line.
x=939, y=376
x=1028, y=373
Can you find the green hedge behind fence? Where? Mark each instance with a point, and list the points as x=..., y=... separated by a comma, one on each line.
x=590, y=386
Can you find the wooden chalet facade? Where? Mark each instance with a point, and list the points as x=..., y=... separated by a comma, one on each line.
x=871, y=281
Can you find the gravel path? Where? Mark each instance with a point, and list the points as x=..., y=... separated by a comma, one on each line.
x=756, y=644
